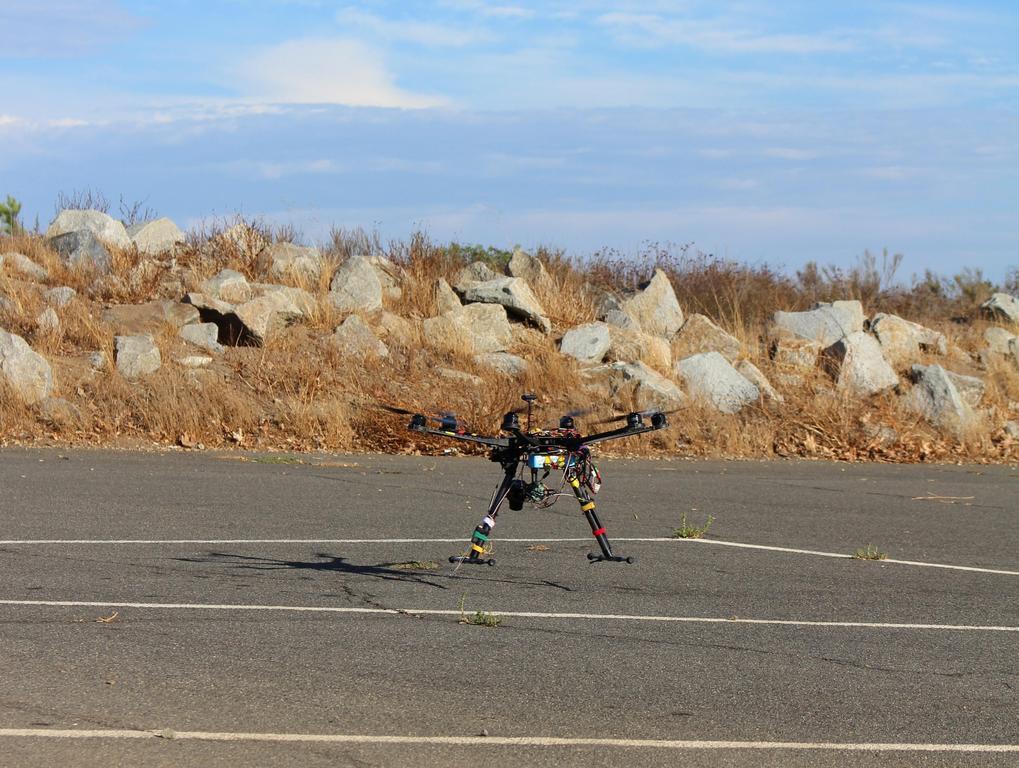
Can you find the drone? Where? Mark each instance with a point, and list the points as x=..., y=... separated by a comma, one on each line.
x=542, y=452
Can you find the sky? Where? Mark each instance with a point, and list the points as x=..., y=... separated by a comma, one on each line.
x=772, y=132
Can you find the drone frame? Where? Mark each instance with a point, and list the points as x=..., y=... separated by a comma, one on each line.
x=519, y=448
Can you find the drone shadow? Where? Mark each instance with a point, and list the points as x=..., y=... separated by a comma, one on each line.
x=326, y=562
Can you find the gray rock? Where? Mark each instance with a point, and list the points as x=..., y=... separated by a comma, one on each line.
x=856, y=363
x=461, y=377
x=1012, y=429
x=156, y=236
x=353, y=337
x=649, y=388
x=710, y=376
x=503, y=362
x=356, y=286
x=1013, y=350
x=205, y=303
x=825, y=324
x=699, y=334
x=47, y=320
x=587, y=343
x=1002, y=306
x=655, y=307
x=617, y=318
x=229, y=286
x=303, y=300
x=394, y=329
x=515, y=295
x=970, y=388
x=998, y=339
x=935, y=396
x=82, y=249
x=753, y=374
x=97, y=361
x=902, y=341
x=476, y=328
x=628, y=346
x=390, y=277
x=288, y=261
x=446, y=299
x=264, y=314
x=104, y=227
x=195, y=361
x=204, y=335
x=248, y=241
x=60, y=296
x=475, y=272
x=137, y=356
x=795, y=354
x=21, y=263
x=529, y=268
x=151, y=317
x=59, y=412
x=25, y=370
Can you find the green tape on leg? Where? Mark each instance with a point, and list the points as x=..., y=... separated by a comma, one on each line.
x=480, y=536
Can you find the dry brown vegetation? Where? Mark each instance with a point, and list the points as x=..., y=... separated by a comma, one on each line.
x=297, y=392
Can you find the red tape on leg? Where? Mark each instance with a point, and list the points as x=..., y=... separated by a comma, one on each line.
x=599, y=532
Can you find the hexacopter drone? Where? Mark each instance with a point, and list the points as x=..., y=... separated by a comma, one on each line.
x=542, y=451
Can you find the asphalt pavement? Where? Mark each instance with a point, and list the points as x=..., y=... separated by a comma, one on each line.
x=202, y=609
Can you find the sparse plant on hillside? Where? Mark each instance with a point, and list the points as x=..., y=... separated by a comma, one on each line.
x=81, y=200
x=9, y=212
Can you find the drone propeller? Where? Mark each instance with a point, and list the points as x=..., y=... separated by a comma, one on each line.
x=444, y=419
x=627, y=416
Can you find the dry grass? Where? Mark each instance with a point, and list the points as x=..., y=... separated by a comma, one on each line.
x=297, y=392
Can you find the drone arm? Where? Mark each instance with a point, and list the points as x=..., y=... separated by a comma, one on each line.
x=614, y=434
x=494, y=442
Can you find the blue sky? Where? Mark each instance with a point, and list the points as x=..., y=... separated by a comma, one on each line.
x=781, y=131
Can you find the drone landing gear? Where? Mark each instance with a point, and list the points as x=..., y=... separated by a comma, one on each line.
x=597, y=529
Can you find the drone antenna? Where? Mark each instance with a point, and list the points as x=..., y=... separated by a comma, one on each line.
x=529, y=399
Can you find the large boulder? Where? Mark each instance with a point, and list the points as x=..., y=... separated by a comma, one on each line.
x=288, y=261
x=970, y=388
x=446, y=299
x=998, y=339
x=1013, y=351
x=229, y=286
x=902, y=341
x=390, y=277
x=60, y=296
x=476, y=328
x=24, y=369
x=395, y=330
x=648, y=387
x=656, y=308
x=19, y=262
x=515, y=295
x=354, y=338
x=475, y=272
x=699, y=334
x=825, y=324
x=82, y=248
x=204, y=335
x=753, y=374
x=935, y=396
x=356, y=286
x=587, y=343
x=856, y=363
x=137, y=356
x=104, y=227
x=155, y=236
x=1002, y=306
x=794, y=354
x=710, y=376
x=627, y=346
x=503, y=362
x=266, y=313
x=151, y=317
x=529, y=268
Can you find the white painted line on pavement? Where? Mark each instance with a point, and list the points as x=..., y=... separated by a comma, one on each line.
x=336, y=609
x=521, y=540
x=504, y=741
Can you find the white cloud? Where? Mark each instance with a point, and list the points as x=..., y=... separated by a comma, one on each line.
x=9, y=120
x=327, y=71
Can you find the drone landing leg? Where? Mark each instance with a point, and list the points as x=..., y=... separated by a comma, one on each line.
x=587, y=507
x=483, y=530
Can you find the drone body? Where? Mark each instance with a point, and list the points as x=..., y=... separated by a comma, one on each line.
x=528, y=458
